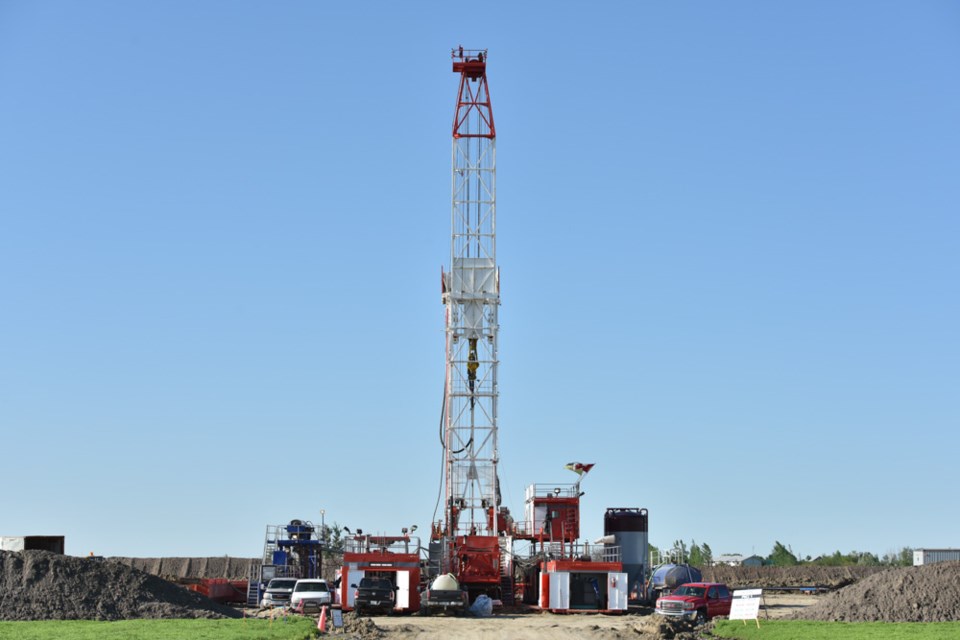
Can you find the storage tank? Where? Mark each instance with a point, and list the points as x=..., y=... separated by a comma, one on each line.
x=628, y=526
x=668, y=577
x=446, y=582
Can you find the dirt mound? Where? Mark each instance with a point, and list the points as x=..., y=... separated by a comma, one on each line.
x=930, y=593
x=363, y=628
x=180, y=568
x=39, y=585
x=655, y=628
x=800, y=576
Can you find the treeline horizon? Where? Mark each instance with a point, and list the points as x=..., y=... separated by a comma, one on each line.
x=701, y=555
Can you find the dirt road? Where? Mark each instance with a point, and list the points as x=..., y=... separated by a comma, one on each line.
x=537, y=626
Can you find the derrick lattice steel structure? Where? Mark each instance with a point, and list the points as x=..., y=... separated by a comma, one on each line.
x=469, y=542
x=471, y=293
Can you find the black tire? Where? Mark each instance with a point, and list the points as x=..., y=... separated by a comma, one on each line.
x=701, y=617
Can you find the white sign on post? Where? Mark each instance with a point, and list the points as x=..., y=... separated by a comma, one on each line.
x=746, y=605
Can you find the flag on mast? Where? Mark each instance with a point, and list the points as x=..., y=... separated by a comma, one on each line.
x=579, y=468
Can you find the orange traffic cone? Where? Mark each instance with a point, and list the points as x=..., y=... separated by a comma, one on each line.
x=322, y=622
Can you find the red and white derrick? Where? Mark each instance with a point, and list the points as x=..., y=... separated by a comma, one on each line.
x=473, y=523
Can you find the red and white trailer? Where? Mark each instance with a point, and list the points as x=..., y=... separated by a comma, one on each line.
x=396, y=558
x=575, y=586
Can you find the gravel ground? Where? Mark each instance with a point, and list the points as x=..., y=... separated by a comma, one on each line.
x=536, y=625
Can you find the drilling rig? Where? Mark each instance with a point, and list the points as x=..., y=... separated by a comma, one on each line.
x=474, y=542
x=471, y=539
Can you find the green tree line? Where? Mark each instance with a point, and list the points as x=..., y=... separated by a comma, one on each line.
x=701, y=555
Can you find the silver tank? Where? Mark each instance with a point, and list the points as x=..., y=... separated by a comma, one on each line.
x=628, y=526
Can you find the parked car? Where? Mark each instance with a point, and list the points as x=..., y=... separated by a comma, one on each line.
x=374, y=594
x=696, y=601
x=277, y=593
x=311, y=593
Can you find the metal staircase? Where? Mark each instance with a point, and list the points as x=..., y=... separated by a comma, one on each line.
x=274, y=533
x=253, y=586
x=253, y=583
x=437, y=560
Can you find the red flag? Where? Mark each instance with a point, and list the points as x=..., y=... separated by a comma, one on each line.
x=579, y=468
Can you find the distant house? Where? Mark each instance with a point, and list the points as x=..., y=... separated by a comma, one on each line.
x=730, y=559
x=752, y=561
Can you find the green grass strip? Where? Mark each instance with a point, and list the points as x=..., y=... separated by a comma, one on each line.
x=294, y=628
x=810, y=630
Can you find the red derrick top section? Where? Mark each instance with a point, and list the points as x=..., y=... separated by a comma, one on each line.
x=474, y=115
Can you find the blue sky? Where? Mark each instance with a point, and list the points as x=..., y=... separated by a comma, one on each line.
x=727, y=234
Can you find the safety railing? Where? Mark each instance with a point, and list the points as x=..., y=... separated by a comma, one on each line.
x=382, y=544
x=552, y=490
x=584, y=551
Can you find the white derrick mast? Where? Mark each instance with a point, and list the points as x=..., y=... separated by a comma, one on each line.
x=471, y=294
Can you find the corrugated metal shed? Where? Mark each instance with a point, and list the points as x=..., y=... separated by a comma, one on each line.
x=30, y=543
x=930, y=556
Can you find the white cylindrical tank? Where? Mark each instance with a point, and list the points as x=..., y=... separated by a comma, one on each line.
x=446, y=582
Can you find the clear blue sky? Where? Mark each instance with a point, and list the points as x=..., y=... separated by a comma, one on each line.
x=728, y=236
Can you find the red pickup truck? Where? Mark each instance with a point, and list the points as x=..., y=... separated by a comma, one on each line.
x=696, y=601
